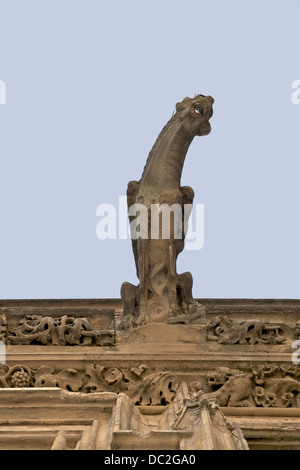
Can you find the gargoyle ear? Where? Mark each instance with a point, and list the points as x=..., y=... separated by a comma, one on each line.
x=183, y=104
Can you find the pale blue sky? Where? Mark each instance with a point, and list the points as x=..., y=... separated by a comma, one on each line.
x=90, y=84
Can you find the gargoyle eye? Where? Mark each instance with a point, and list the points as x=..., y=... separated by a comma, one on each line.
x=199, y=110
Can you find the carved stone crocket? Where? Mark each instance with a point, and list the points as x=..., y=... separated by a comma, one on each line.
x=163, y=295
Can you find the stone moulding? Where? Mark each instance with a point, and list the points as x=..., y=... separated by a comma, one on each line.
x=107, y=421
x=52, y=418
x=190, y=422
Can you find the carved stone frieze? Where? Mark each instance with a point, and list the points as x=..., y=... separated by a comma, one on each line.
x=260, y=386
x=143, y=385
x=227, y=331
x=91, y=330
x=265, y=386
x=62, y=331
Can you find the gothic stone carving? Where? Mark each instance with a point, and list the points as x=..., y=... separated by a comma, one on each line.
x=201, y=413
x=266, y=386
x=64, y=330
x=74, y=330
x=190, y=422
x=163, y=295
x=21, y=376
x=263, y=386
x=233, y=387
x=143, y=385
x=227, y=331
x=18, y=376
x=68, y=379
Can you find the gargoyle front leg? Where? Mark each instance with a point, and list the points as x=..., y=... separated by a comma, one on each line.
x=188, y=194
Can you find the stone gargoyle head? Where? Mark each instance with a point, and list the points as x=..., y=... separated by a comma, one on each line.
x=195, y=113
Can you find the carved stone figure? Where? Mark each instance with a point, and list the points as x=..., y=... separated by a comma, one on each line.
x=265, y=386
x=162, y=294
x=235, y=387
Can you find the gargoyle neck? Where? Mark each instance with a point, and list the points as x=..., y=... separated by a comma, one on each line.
x=165, y=162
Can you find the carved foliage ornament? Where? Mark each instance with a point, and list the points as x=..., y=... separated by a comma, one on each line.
x=71, y=331
x=62, y=331
x=144, y=386
x=263, y=385
x=227, y=331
